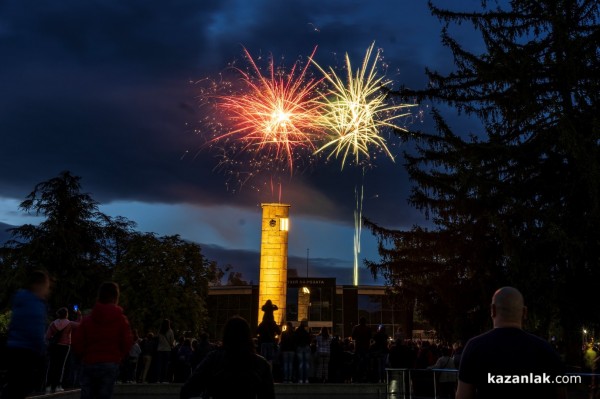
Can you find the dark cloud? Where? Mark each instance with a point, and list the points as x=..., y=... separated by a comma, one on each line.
x=103, y=89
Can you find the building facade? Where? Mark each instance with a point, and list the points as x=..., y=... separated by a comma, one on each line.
x=320, y=301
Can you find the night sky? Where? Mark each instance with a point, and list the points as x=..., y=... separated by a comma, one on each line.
x=106, y=90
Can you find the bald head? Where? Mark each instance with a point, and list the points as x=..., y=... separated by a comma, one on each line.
x=508, y=308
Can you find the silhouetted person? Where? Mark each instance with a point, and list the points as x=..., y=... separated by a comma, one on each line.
x=323, y=355
x=166, y=342
x=287, y=346
x=268, y=309
x=26, y=343
x=421, y=381
x=202, y=348
x=183, y=369
x=361, y=335
x=267, y=331
x=380, y=352
x=302, y=339
x=148, y=347
x=457, y=350
x=402, y=356
x=336, y=361
x=233, y=371
x=446, y=381
x=103, y=340
x=507, y=350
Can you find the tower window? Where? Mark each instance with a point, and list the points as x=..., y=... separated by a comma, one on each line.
x=284, y=224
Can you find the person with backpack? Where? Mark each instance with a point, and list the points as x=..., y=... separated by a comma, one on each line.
x=59, y=348
x=233, y=371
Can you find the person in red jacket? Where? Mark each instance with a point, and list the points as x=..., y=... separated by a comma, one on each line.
x=102, y=340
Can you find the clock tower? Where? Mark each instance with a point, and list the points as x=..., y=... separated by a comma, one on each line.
x=273, y=258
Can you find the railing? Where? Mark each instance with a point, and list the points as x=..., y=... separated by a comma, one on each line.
x=424, y=383
x=408, y=383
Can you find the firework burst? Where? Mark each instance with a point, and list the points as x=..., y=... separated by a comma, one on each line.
x=353, y=112
x=273, y=115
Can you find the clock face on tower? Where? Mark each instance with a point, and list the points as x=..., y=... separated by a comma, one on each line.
x=272, y=223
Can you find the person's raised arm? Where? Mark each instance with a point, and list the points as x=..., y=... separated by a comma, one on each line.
x=77, y=321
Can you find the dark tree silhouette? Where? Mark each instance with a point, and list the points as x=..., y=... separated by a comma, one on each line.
x=164, y=277
x=160, y=277
x=66, y=243
x=519, y=201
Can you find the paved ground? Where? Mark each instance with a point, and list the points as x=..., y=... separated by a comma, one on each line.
x=287, y=391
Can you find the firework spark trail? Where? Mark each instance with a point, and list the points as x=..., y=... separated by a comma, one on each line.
x=355, y=111
x=274, y=115
x=357, y=228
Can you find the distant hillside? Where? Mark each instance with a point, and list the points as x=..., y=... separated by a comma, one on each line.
x=4, y=235
x=247, y=262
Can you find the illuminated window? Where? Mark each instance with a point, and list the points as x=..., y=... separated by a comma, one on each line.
x=284, y=224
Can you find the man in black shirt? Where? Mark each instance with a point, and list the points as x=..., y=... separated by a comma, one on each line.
x=507, y=353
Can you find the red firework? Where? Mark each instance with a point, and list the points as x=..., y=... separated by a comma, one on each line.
x=273, y=114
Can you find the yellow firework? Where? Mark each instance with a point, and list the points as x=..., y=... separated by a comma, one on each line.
x=355, y=111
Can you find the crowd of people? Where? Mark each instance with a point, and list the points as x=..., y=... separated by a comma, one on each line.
x=301, y=356
x=95, y=351
x=38, y=356
x=91, y=351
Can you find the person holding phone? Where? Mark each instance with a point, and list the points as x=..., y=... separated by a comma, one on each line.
x=58, y=336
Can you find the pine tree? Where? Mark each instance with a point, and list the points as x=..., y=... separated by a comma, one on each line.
x=79, y=246
x=66, y=243
x=519, y=202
